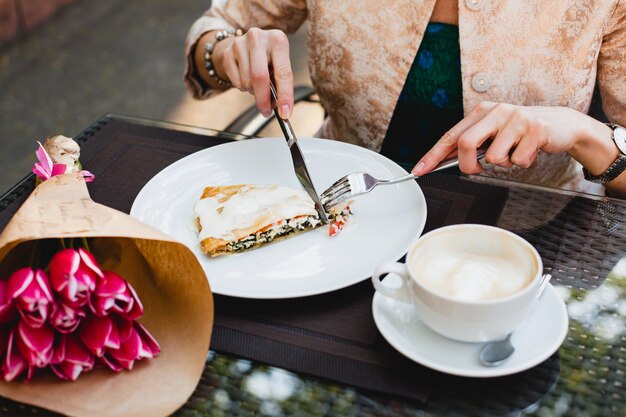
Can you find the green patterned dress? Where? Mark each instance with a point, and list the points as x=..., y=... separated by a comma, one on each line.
x=431, y=101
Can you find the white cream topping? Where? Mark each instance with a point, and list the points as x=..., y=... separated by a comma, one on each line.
x=469, y=276
x=252, y=204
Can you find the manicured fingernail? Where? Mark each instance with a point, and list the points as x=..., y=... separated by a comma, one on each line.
x=285, y=111
x=418, y=168
x=266, y=112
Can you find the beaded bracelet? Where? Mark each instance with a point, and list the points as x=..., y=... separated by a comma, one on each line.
x=208, y=50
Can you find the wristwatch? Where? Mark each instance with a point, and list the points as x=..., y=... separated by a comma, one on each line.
x=619, y=165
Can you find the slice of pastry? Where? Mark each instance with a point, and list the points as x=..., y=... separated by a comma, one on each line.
x=238, y=217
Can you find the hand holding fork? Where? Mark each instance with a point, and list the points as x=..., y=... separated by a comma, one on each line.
x=359, y=183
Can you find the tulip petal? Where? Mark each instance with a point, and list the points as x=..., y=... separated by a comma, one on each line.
x=112, y=285
x=136, y=310
x=78, y=353
x=44, y=158
x=66, y=319
x=99, y=333
x=35, y=344
x=33, y=301
x=44, y=284
x=67, y=371
x=129, y=350
x=14, y=364
x=73, y=274
x=114, y=294
x=101, y=306
x=7, y=311
x=90, y=260
x=113, y=341
x=18, y=282
x=149, y=346
x=63, y=267
x=40, y=171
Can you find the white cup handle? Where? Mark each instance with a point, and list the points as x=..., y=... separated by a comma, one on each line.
x=401, y=293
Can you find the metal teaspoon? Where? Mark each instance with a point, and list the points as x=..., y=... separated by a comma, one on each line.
x=498, y=352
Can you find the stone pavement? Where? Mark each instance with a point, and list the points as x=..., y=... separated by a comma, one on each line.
x=96, y=57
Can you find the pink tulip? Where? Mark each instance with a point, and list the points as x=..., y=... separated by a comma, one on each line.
x=31, y=292
x=99, y=334
x=66, y=319
x=35, y=344
x=46, y=169
x=14, y=364
x=139, y=344
x=114, y=294
x=75, y=358
x=149, y=346
x=7, y=310
x=125, y=356
x=73, y=274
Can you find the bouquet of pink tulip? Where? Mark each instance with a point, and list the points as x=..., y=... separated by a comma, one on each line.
x=72, y=318
x=84, y=287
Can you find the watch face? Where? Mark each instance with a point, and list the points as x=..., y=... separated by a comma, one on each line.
x=619, y=135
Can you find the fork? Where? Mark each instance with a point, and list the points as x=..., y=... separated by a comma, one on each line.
x=359, y=183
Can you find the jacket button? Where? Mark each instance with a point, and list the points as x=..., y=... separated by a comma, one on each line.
x=474, y=4
x=481, y=82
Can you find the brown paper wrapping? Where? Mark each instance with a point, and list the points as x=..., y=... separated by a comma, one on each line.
x=168, y=279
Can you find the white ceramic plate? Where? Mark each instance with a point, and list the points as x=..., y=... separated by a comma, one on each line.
x=385, y=222
x=538, y=338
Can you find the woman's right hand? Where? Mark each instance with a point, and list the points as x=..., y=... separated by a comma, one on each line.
x=246, y=60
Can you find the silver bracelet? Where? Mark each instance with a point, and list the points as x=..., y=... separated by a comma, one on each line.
x=208, y=50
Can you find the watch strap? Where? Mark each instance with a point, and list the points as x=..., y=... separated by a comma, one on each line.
x=617, y=167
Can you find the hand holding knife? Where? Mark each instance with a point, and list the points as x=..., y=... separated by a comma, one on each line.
x=299, y=164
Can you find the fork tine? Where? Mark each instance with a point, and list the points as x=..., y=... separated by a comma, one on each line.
x=336, y=193
x=342, y=179
x=335, y=187
x=335, y=200
x=343, y=189
x=336, y=184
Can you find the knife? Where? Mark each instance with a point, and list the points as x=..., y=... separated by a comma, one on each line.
x=298, y=159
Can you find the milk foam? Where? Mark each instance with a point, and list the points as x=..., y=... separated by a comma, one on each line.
x=469, y=276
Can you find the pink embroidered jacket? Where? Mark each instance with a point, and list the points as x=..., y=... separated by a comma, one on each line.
x=530, y=52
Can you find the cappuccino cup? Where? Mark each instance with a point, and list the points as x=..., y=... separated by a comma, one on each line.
x=467, y=282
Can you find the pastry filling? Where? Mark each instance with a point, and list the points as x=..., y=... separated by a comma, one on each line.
x=285, y=227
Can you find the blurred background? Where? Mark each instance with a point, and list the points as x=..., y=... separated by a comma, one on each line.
x=65, y=63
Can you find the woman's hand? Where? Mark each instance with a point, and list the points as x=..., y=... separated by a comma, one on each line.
x=245, y=61
x=517, y=133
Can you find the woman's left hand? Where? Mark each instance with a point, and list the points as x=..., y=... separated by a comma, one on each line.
x=517, y=133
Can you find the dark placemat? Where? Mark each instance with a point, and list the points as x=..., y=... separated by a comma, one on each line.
x=333, y=335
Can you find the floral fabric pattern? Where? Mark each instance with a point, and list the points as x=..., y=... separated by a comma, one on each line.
x=534, y=52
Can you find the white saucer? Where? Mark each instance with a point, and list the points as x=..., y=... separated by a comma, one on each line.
x=534, y=342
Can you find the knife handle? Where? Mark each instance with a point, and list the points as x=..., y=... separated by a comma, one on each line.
x=284, y=124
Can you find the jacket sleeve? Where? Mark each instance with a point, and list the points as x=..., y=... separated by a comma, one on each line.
x=612, y=66
x=286, y=15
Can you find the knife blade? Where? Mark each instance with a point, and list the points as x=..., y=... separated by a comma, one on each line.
x=299, y=165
